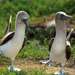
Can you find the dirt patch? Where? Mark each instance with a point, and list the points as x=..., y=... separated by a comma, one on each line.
x=69, y=69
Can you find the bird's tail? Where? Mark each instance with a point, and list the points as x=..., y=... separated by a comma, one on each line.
x=69, y=35
x=9, y=26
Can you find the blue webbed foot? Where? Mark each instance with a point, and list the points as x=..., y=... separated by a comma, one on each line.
x=13, y=69
x=46, y=62
x=60, y=72
x=1, y=53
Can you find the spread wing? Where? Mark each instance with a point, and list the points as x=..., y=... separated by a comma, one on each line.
x=68, y=50
x=9, y=26
x=50, y=44
x=7, y=31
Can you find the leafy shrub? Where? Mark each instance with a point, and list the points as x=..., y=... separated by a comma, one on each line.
x=34, y=51
x=35, y=7
x=43, y=36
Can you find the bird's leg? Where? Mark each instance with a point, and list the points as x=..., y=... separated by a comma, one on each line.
x=11, y=67
x=1, y=53
x=61, y=70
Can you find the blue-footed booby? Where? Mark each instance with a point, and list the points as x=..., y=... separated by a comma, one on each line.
x=59, y=47
x=13, y=42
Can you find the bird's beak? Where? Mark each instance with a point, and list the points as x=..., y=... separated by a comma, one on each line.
x=26, y=23
x=65, y=17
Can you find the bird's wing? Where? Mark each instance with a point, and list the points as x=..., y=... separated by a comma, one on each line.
x=9, y=26
x=69, y=35
x=50, y=44
x=68, y=47
x=68, y=50
x=6, y=38
x=24, y=43
x=9, y=35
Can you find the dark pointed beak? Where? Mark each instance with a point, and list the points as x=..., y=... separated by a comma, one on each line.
x=26, y=23
x=65, y=17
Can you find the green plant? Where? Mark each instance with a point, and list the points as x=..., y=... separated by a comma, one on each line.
x=29, y=72
x=34, y=51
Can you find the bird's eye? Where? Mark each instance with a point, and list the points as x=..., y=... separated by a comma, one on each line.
x=62, y=15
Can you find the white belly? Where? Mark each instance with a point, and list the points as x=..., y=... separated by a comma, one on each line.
x=60, y=59
x=58, y=51
x=11, y=49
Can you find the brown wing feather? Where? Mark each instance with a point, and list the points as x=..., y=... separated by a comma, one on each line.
x=6, y=38
x=23, y=43
x=68, y=50
x=9, y=26
x=50, y=44
x=9, y=37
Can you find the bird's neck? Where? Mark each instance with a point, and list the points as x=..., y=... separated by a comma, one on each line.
x=59, y=43
x=61, y=29
x=19, y=30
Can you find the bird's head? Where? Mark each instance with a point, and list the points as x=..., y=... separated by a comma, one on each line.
x=22, y=17
x=62, y=16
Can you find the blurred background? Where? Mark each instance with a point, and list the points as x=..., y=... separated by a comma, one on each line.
x=40, y=11
x=35, y=8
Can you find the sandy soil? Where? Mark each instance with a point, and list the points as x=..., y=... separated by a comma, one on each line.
x=69, y=68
